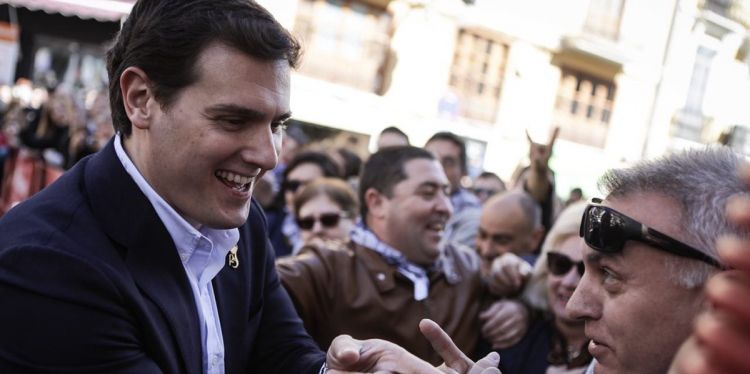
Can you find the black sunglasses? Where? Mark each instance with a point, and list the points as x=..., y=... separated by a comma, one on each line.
x=560, y=264
x=328, y=220
x=484, y=191
x=292, y=185
x=606, y=230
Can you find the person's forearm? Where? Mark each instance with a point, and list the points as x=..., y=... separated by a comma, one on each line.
x=538, y=184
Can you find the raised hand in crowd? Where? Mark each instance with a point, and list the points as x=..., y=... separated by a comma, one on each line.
x=349, y=355
x=538, y=180
x=721, y=337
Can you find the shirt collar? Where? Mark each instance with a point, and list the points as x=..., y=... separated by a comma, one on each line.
x=200, y=249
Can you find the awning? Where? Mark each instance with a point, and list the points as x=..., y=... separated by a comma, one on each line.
x=100, y=10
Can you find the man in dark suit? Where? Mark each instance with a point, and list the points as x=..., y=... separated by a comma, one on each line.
x=151, y=256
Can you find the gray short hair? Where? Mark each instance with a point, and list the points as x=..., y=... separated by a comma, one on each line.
x=700, y=180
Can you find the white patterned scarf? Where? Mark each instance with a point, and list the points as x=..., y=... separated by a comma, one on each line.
x=416, y=273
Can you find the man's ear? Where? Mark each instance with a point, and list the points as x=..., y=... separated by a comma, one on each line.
x=536, y=238
x=375, y=203
x=137, y=97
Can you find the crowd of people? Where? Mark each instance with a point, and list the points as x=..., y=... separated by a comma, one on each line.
x=190, y=234
x=45, y=131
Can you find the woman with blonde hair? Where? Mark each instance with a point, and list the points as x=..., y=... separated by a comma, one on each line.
x=554, y=343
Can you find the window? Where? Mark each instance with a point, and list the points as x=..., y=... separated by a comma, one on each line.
x=690, y=118
x=344, y=41
x=583, y=107
x=722, y=7
x=603, y=18
x=477, y=75
x=738, y=138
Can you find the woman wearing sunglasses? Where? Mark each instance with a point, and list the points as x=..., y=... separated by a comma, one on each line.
x=326, y=209
x=554, y=343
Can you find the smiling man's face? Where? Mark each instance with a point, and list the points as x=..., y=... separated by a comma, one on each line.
x=204, y=152
x=635, y=313
x=416, y=213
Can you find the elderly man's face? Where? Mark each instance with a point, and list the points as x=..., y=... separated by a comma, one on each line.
x=635, y=314
x=502, y=231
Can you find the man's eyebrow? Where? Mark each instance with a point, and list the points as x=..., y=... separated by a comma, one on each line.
x=597, y=257
x=241, y=111
x=429, y=184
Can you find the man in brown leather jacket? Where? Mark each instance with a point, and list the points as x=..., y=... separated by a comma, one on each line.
x=394, y=271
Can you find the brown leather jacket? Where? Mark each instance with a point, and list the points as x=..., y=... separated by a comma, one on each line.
x=349, y=289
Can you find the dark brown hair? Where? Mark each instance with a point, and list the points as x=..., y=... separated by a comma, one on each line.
x=384, y=169
x=165, y=38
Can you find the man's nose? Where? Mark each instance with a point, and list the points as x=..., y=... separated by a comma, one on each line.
x=571, y=279
x=317, y=227
x=483, y=250
x=444, y=204
x=583, y=304
x=262, y=148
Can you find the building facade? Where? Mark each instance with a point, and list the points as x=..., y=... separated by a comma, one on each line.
x=623, y=79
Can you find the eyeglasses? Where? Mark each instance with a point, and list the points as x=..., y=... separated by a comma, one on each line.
x=560, y=264
x=293, y=185
x=328, y=220
x=484, y=191
x=606, y=230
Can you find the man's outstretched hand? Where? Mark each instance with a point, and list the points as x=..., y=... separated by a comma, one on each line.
x=349, y=355
x=455, y=360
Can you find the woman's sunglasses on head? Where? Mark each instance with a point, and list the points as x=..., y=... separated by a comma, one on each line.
x=327, y=220
x=606, y=230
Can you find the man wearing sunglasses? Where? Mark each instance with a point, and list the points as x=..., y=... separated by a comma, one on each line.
x=650, y=247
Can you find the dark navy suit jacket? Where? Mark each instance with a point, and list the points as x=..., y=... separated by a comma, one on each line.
x=90, y=281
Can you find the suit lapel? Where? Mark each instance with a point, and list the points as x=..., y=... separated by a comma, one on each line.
x=231, y=288
x=129, y=219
